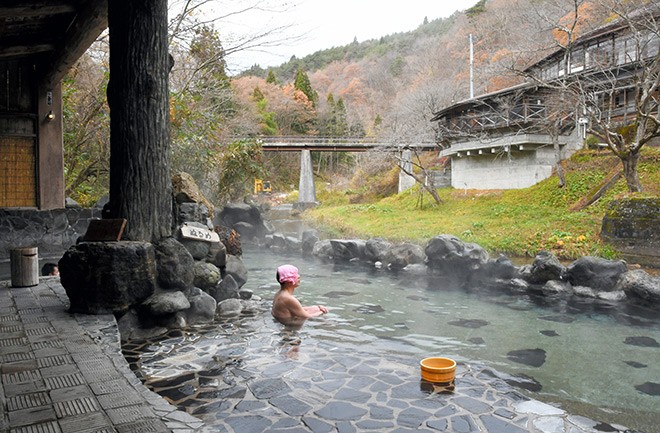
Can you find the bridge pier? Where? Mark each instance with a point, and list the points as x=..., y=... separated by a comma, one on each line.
x=306, y=188
x=405, y=180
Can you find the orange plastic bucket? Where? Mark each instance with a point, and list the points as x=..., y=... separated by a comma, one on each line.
x=438, y=370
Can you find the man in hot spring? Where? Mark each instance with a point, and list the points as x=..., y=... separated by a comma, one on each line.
x=286, y=308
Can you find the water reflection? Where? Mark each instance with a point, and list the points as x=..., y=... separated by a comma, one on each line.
x=416, y=315
x=592, y=357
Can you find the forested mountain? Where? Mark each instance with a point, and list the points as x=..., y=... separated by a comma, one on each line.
x=391, y=86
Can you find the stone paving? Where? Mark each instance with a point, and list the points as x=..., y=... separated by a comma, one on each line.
x=249, y=374
x=64, y=373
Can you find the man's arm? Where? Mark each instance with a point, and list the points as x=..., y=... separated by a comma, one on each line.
x=297, y=310
x=316, y=310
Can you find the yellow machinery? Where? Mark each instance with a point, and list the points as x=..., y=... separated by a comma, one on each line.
x=262, y=186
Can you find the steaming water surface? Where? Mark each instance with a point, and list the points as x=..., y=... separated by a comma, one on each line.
x=591, y=358
x=594, y=353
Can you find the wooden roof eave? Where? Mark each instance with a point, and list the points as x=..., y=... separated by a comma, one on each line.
x=606, y=30
x=480, y=100
x=90, y=21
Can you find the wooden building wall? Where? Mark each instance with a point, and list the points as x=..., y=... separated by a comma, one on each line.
x=31, y=154
x=18, y=136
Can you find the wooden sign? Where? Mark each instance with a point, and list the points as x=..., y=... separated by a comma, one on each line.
x=200, y=234
x=105, y=230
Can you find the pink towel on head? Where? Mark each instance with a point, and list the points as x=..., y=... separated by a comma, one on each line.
x=287, y=273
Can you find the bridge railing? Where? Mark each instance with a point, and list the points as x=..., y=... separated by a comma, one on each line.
x=318, y=139
x=317, y=142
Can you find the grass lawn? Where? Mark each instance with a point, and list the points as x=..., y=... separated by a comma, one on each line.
x=515, y=222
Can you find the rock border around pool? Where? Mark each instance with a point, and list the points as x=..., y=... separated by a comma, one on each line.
x=468, y=265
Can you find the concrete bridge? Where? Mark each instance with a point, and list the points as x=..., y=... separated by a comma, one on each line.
x=306, y=144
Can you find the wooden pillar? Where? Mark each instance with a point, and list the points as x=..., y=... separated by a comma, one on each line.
x=50, y=151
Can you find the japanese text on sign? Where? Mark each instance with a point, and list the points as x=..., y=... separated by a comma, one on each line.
x=201, y=234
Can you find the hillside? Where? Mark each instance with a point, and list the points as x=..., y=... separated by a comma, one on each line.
x=355, y=52
x=391, y=86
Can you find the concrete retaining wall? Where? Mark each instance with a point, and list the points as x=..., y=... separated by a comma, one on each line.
x=521, y=170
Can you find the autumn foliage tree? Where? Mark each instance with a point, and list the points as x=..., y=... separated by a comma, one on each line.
x=86, y=122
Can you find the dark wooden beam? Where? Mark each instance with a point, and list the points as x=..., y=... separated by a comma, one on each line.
x=24, y=50
x=22, y=8
x=88, y=24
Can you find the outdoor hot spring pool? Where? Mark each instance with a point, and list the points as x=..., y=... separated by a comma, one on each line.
x=591, y=359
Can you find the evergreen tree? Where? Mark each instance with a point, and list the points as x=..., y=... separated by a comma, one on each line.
x=378, y=122
x=271, y=79
x=327, y=122
x=341, y=124
x=303, y=84
x=207, y=49
x=267, y=124
x=257, y=94
x=356, y=130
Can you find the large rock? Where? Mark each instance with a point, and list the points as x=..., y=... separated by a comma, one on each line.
x=545, y=267
x=185, y=190
x=596, y=273
x=632, y=227
x=229, y=307
x=449, y=256
x=640, y=287
x=207, y=275
x=193, y=212
x=309, y=239
x=217, y=254
x=197, y=248
x=375, y=249
x=132, y=327
x=226, y=289
x=245, y=219
x=588, y=292
x=236, y=268
x=555, y=287
x=276, y=241
x=348, y=249
x=231, y=239
x=202, y=307
x=400, y=256
x=165, y=303
x=279, y=242
x=323, y=249
x=501, y=268
x=108, y=277
x=174, y=265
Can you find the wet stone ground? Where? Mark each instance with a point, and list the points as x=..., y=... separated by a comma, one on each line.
x=249, y=374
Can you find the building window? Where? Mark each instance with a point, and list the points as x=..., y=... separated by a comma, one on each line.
x=577, y=60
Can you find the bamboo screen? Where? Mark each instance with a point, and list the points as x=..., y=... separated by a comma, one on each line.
x=17, y=172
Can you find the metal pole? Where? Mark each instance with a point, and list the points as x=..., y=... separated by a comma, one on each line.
x=471, y=68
